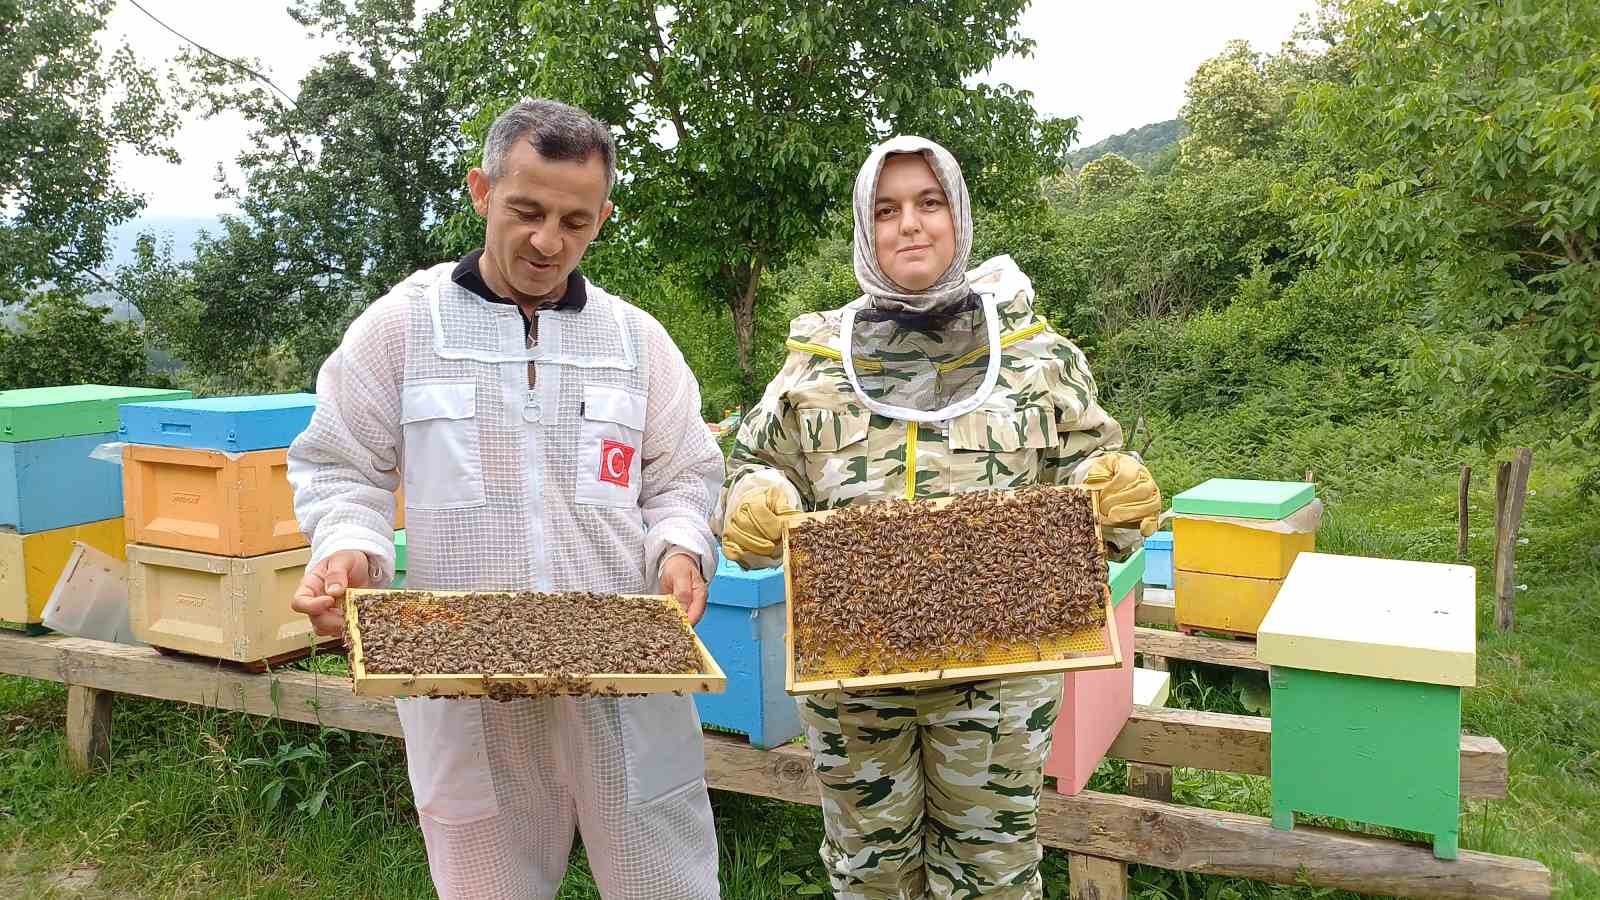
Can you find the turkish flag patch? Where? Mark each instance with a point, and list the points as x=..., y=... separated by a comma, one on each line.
x=616, y=461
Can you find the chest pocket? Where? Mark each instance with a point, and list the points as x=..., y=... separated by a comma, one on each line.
x=825, y=430
x=611, y=442
x=1005, y=431
x=443, y=465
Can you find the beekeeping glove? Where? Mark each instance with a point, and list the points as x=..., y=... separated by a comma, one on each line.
x=753, y=536
x=1129, y=497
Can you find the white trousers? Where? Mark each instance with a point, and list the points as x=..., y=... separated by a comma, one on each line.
x=501, y=787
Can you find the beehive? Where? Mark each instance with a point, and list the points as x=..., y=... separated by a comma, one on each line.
x=30, y=565
x=37, y=414
x=1367, y=660
x=1095, y=705
x=399, y=559
x=52, y=483
x=222, y=607
x=232, y=424
x=1226, y=574
x=743, y=628
x=1158, y=559
x=209, y=502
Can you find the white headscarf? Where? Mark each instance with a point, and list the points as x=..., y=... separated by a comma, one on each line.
x=881, y=290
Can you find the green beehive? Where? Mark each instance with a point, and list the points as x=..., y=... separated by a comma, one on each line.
x=36, y=414
x=1368, y=658
x=399, y=559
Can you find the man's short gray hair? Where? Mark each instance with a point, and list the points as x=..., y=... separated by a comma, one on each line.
x=557, y=131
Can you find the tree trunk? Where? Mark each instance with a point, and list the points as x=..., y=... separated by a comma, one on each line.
x=746, y=277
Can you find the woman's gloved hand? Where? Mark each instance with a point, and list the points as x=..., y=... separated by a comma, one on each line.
x=1129, y=497
x=754, y=533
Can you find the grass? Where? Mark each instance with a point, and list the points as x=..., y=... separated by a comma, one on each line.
x=205, y=804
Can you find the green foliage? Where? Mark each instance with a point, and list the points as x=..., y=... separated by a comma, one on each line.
x=1166, y=246
x=741, y=124
x=1477, y=179
x=344, y=185
x=64, y=340
x=1231, y=104
x=1106, y=176
x=67, y=107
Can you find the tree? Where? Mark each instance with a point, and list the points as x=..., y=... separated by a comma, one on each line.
x=67, y=108
x=62, y=340
x=1107, y=175
x=741, y=123
x=1231, y=104
x=346, y=184
x=1471, y=127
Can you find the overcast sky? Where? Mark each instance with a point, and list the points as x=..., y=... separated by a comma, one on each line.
x=1114, y=65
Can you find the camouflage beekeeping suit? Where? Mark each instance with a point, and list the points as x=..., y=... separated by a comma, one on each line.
x=1042, y=423
x=930, y=791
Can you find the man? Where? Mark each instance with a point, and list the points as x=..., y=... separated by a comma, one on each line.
x=550, y=439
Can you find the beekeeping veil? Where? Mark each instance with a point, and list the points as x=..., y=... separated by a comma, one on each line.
x=919, y=356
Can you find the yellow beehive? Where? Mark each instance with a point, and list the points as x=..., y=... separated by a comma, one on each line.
x=1218, y=548
x=232, y=608
x=1227, y=573
x=1223, y=602
x=30, y=565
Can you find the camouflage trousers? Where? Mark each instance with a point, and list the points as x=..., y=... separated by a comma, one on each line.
x=933, y=793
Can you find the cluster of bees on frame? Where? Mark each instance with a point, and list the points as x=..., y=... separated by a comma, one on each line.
x=891, y=587
x=567, y=636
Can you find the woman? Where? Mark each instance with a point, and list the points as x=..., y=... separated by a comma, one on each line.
x=935, y=381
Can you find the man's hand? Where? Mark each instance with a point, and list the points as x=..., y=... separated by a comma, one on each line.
x=1129, y=497
x=322, y=589
x=755, y=529
x=680, y=577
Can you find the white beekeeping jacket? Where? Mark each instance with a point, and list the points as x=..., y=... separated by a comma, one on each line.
x=581, y=483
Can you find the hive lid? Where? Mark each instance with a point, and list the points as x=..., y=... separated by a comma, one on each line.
x=232, y=424
x=36, y=414
x=244, y=404
x=1244, y=498
x=1380, y=618
x=1124, y=575
x=1161, y=540
x=731, y=585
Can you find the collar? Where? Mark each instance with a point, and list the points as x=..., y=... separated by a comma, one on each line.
x=468, y=275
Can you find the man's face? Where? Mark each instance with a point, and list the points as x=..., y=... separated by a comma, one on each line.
x=540, y=216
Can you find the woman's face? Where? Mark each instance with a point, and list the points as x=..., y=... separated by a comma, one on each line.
x=912, y=227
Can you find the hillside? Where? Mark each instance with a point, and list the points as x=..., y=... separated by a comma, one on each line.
x=1141, y=145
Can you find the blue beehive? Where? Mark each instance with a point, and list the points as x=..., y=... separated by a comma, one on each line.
x=50, y=484
x=233, y=424
x=743, y=628
x=1158, y=559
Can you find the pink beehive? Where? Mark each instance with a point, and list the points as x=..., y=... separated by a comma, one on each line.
x=1096, y=704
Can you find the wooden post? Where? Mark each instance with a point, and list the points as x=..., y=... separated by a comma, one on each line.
x=1097, y=878
x=1311, y=475
x=1502, y=478
x=1461, y=513
x=1505, y=563
x=88, y=726
x=1150, y=782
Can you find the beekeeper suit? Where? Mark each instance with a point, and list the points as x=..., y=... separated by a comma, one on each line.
x=950, y=383
x=561, y=451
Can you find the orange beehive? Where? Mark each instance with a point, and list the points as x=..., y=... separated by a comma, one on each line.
x=211, y=502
